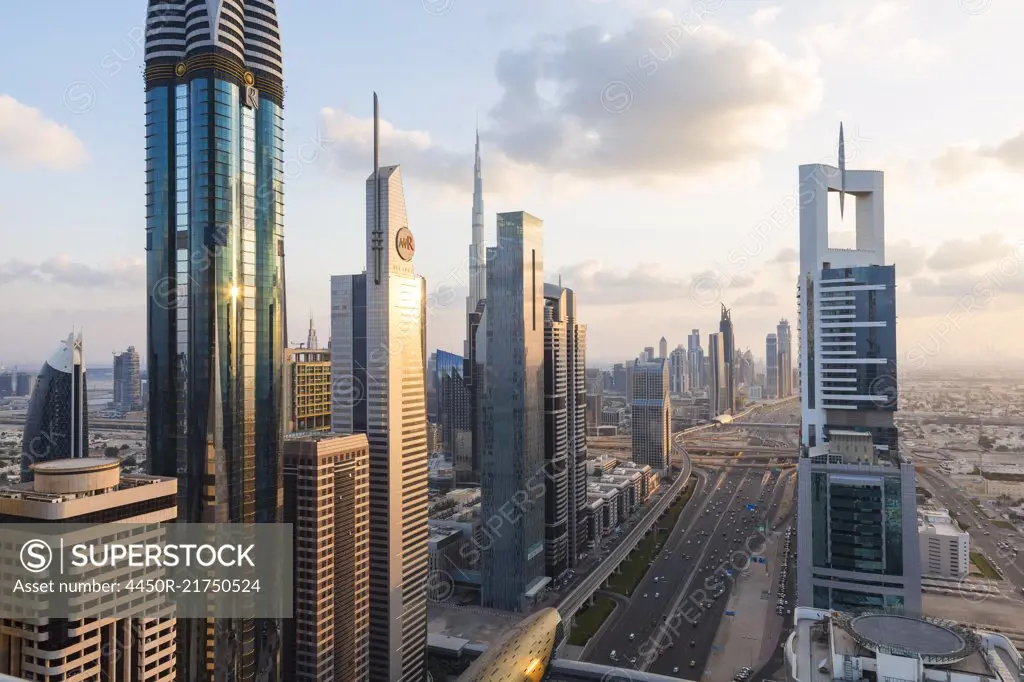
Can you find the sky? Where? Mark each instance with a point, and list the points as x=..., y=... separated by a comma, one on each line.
x=658, y=140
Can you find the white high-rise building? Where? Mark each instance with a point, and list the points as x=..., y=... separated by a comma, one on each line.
x=857, y=526
x=378, y=367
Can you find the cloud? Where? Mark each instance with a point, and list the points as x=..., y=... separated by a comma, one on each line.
x=61, y=270
x=786, y=255
x=661, y=98
x=646, y=282
x=908, y=258
x=765, y=15
x=960, y=254
x=877, y=33
x=757, y=298
x=962, y=161
x=27, y=139
x=349, y=143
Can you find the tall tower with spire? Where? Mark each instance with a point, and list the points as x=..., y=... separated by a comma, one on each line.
x=478, y=248
x=378, y=371
x=311, y=341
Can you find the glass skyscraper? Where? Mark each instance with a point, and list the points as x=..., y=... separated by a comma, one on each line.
x=57, y=422
x=454, y=413
x=215, y=264
x=512, y=476
x=771, y=366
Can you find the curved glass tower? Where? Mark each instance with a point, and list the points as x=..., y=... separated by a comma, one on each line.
x=57, y=425
x=215, y=263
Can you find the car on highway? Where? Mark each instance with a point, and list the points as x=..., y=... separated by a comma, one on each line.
x=693, y=664
x=632, y=636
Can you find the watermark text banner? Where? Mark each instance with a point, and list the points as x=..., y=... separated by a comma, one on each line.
x=132, y=570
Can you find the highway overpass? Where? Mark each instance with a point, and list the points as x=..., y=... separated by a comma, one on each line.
x=593, y=582
x=696, y=448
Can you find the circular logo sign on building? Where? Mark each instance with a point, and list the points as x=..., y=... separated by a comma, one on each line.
x=405, y=244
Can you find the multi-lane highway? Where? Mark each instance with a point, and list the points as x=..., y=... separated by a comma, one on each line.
x=715, y=534
x=985, y=535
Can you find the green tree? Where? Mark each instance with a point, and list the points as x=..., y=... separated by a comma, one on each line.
x=110, y=451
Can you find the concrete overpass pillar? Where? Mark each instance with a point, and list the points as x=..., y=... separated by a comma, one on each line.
x=590, y=600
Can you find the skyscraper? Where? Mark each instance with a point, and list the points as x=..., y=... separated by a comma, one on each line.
x=695, y=357
x=379, y=361
x=215, y=267
x=513, y=413
x=731, y=362
x=663, y=348
x=677, y=365
x=475, y=349
x=307, y=390
x=326, y=500
x=717, y=372
x=771, y=364
x=785, y=362
x=648, y=354
x=857, y=523
x=311, y=341
x=565, y=389
x=454, y=416
x=127, y=381
x=57, y=421
x=478, y=247
x=651, y=414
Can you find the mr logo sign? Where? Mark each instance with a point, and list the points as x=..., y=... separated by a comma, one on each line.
x=405, y=244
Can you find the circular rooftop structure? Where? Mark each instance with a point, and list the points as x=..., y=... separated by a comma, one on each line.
x=933, y=640
x=77, y=475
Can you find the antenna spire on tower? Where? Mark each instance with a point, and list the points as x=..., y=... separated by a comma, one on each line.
x=842, y=171
x=377, y=239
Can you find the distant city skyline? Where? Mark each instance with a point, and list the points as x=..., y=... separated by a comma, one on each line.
x=66, y=117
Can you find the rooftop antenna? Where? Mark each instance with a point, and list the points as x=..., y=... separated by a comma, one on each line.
x=842, y=171
x=376, y=239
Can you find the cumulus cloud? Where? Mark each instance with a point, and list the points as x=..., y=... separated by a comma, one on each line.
x=962, y=161
x=908, y=258
x=757, y=298
x=62, y=270
x=786, y=255
x=599, y=284
x=659, y=98
x=873, y=32
x=765, y=15
x=960, y=254
x=28, y=139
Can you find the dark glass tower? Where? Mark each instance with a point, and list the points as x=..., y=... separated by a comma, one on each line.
x=729, y=353
x=215, y=263
x=57, y=426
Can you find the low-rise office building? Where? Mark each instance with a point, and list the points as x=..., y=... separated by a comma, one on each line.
x=945, y=549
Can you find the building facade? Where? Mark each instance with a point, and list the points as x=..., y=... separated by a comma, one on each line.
x=731, y=366
x=454, y=415
x=785, y=359
x=51, y=650
x=945, y=549
x=771, y=365
x=565, y=389
x=857, y=524
x=652, y=415
x=695, y=358
x=718, y=394
x=663, y=348
x=677, y=366
x=127, y=381
x=57, y=421
x=513, y=413
x=326, y=498
x=307, y=390
x=379, y=359
x=214, y=135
